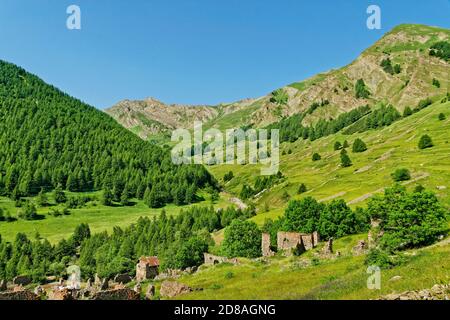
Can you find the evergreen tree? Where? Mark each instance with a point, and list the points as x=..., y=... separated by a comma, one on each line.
x=407, y=112
x=302, y=189
x=42, y=198
x=425, y=142
x=59, y=195
x=316, y=157
x=359, y=146
x=108, y=197
x=441, y=116
x=337, y=146
x=345, y=159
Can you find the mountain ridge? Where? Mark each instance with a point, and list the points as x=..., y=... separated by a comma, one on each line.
x=403, y=45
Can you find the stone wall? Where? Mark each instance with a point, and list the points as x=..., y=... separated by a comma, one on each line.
x=18, y=295
x=211, y=259
x=117, y=294
x=265, y=245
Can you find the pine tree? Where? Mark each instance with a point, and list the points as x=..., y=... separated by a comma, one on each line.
x=337, y=145
x=359, y=146
x=407, y=112
x=425, y=142
x=60, y=196
x=108, y=197
x=345, y=159
x=316, y=157
x=302, y=189
x=42, y=198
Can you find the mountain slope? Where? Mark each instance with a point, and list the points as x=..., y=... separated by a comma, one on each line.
x=49, y=138
x=406, y=46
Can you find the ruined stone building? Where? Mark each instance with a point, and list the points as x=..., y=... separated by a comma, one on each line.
x=211, y=259
x=289, y=242
x=147, y=268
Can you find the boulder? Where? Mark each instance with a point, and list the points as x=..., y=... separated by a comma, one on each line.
x=172, y=289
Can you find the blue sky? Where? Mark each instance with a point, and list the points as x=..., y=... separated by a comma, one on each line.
x=193, y=51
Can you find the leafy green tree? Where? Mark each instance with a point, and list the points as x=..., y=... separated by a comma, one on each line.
x=303, y=215
x=408, y=220
x=425, y=142
x=359, y=146
x=242, y=239
x=401, y=174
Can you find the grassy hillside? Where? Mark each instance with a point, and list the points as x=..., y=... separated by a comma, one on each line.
x=302, y=277
x=388, y=148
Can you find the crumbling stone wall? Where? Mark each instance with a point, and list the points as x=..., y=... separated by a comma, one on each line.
x=18, y=295
x=117, y=294
x=308, y=241
x=290, y=242
x=265, y=245
x=211, y=259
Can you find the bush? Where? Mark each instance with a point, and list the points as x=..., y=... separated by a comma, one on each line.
x=279, y=97
x=425, y=142
x=441, y=116
x=379, y=258
x=316, y=157
x=401, y=175
x=359, y=146
x=28, y=212
x=228, y=176
x=242, y=239
x=436, y=83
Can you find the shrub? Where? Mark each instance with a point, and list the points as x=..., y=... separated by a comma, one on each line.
x=359, y=146
x=316, y=157
x=279, y=97
x=242, y=239
x=361, y=89
x=28, y=212
x=425, y=142
x=337, y=146
x=228, y=176
x=401, y=174
x=302, y=189
x=436, y=83
x=441, y=116
x=407, y=112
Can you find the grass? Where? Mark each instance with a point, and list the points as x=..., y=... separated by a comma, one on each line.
x=388, y=149
x=99, y=217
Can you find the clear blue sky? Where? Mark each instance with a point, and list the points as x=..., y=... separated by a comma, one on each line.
x=193, y=51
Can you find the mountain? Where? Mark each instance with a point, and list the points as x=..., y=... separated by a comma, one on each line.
x=49, y=138
x=398, y=69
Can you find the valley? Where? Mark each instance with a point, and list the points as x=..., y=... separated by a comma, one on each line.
x=364, y=161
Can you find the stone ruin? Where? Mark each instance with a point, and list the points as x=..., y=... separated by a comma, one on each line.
x=360, y=248
x=172, y=289
x=147, y=268
x=117, y=294
x=290, y=243
x=265, y=245
x=122, y=278
x=328, y=248
x=211, y=259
